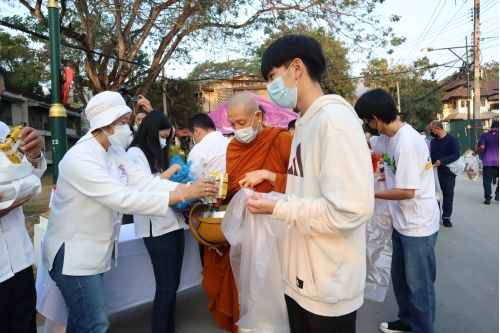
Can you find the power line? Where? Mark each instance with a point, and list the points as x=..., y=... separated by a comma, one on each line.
x=36, y=34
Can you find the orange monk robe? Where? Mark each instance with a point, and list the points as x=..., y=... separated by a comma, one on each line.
x=269, y=151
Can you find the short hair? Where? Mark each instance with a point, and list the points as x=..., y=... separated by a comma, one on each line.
x=376, y=103
x=291, y=124
x=201, y=120
x=494, y=124
x=287, y=48
x=402, y=117
x=437, y=123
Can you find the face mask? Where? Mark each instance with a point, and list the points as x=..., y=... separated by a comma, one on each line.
x=372, y=131
x=135, y=127
x=2, y=108
x=281, y=95
x=434, y=135
x=120, y=137
x=163, y=142
x=246, y=135
x=424, y=136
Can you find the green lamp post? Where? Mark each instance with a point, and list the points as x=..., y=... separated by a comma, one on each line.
x=57, y=112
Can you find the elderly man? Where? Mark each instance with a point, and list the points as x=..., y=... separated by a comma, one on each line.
x=445, y=149
x=17, y=287
x=256, y=158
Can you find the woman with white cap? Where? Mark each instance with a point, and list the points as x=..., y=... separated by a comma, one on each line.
x=97, y=183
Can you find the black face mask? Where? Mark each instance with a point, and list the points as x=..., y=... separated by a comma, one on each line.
x=2, y=108
x=372, y=131
x=434, y=135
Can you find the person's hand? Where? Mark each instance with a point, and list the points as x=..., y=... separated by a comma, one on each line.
x=16, y=204
x=200, y=189
x=382, y=177
x=260, y=206
x=175, y=168
x=254, y=178
x=32, y=143
x=474, y=154
x=145, y=104
x=438, y=163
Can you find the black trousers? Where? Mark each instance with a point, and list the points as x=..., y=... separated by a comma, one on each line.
x=448, y=188
x=303, y=321
x=18, y=303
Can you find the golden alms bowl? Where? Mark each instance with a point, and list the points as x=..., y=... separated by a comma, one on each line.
x=206, y=226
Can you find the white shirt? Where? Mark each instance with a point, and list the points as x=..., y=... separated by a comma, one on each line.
x=408, y=165
x=209, y=155
x=16, y=249
x=159, y=225
x=94, y=188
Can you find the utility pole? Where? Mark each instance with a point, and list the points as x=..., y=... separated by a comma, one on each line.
x=164, y=91
x=467, y=69
x=477, y=86
x=399, y=104
x=57, y=112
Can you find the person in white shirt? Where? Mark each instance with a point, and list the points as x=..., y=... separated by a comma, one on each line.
x=210, y=146
x=329, y=193
x=208, y=153
x=97, y=183
x=17, y=286
x=414, y=209
x=163, y=236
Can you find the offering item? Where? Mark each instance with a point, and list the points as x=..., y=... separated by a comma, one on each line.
x=472, y=172
x=215, y=201
x=11, y=146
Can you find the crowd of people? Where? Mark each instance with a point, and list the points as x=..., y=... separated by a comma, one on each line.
x=321, y=162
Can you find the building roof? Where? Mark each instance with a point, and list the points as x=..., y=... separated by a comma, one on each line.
x=488, y=88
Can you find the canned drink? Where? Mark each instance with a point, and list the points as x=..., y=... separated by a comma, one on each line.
x=11, y=146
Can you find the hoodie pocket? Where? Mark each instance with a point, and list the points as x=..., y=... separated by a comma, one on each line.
x=300, y=274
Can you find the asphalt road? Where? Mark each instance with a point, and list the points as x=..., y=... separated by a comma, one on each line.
x=466, y=286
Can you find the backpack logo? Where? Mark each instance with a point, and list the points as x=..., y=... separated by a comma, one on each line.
x=296, y=167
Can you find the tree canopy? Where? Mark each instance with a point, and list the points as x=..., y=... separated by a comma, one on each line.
x=145, y=34
x=490, y=70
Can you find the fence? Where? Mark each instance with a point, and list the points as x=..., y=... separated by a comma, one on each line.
x=468, y=133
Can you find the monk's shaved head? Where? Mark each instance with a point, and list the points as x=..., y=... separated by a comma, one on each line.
x=243, y=101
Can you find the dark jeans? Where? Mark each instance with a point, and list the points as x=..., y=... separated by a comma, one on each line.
x=303, y=321
x=489, y=172
x=413, y=274
x=18, y=302
x=84, y=296
x=166, y=252
x=448, y=187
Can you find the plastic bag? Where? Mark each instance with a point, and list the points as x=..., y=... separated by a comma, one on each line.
x=437, y=185
x=458, y=166
x=472, y=168
x=256, y=266
x=378, y=249
x=182, y=176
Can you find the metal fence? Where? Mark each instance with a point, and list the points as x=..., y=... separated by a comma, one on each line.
x=468, y=133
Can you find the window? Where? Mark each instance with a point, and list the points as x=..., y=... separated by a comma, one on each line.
x=454, y=103
x=462, y=103
x=483, y=102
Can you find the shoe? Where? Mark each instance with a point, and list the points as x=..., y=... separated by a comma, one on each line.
x=394, y=327
x=447, y=223
x=487, y=202
x=496, y=197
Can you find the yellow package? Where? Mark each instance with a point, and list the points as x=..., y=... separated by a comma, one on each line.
x=221, y=181
x=11, y=146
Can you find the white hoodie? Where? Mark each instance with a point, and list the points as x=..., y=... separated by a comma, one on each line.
x=330, y=197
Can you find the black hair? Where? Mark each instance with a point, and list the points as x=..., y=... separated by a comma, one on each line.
x=283, y=50
x=376, y=103
x=201, y=120
x=494, y=124
x=402, y=117
x=147, y=140
x=291, y=124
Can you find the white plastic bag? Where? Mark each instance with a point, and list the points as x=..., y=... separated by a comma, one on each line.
x=378, y=248
x=437, y=186
x=472, y=168
x=17, y=182
x=458, y=166
x=256, y=267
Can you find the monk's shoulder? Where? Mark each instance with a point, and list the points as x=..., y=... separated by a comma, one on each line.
x=283, y=140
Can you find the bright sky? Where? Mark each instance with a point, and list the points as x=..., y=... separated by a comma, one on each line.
x=435, y=23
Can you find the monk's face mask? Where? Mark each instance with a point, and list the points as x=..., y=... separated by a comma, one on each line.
x=247, y=134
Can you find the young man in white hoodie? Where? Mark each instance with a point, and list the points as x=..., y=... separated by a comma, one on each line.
x=329, y=193
x=414, y=209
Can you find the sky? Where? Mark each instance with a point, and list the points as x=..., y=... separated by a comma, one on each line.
x=424, y=23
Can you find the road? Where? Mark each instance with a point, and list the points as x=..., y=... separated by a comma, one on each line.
x=466, y=286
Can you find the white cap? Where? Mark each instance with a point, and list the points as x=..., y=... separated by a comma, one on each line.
x=104, y=108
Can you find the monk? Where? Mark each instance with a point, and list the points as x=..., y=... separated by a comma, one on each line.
x=257, y=158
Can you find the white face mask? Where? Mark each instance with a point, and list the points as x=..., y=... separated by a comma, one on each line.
x=163, y=142
x=247, y=134
x=424, y=136
x=120, y=137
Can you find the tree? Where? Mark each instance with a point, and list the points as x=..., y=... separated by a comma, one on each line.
x=210, y=70
x=336, y=79
x=24, y=68
x=490, y=70
x=168, y=30
x=420, y=97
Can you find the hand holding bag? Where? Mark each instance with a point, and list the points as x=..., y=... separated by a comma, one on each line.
x=17, y=182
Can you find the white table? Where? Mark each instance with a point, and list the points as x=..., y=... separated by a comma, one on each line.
x=129, y=284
